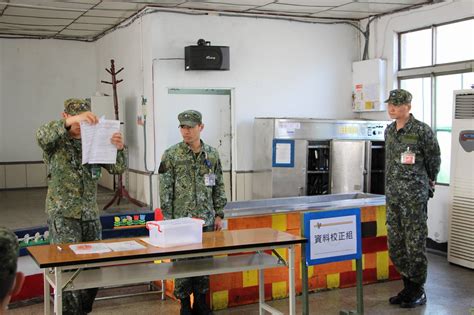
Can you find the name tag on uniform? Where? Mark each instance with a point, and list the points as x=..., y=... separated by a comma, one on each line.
x=95, y=172
x=210, y=179
x=408, y=157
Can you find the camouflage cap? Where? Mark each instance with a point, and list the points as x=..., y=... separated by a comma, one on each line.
x=74, y=106
x=399, y=97
x=190, y=118
x=9, y=250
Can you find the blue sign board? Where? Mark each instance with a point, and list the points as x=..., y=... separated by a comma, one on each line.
x=333, y=235
x=283, y=153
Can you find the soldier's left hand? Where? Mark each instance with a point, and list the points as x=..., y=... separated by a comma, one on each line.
x=117, y=140
x=218, y=224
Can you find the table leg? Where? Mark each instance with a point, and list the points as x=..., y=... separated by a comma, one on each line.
x=58, y=292
x=46, y=294
x=291, y=278
x=261, y=291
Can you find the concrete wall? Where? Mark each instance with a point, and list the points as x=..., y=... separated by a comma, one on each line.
x=36, y=77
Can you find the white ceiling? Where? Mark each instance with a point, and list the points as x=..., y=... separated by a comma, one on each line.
x=88, y=20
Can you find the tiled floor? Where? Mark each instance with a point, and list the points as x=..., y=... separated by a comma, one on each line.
x=450, y=291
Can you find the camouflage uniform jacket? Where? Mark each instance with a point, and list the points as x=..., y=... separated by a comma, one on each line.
x=72, y=190
x=183, y=192
x=410, y=182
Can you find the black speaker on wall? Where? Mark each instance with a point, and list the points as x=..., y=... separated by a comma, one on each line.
x=206, y=57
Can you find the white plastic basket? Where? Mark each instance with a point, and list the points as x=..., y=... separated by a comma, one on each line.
x=175, y=232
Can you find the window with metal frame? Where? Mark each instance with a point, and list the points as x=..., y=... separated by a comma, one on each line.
x=433, y=62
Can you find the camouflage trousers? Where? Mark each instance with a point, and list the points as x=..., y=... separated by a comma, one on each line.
x=65, y=230
x=183, y=287
x=407, y=231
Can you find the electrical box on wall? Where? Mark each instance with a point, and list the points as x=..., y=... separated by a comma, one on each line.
x=368, y=85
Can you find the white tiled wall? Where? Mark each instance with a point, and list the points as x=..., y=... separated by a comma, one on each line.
x=228, y=192
x=15, y=175
x=138, y=186
x=132, y=184
x=36, y=175
x=2, y=176
x=244, y=186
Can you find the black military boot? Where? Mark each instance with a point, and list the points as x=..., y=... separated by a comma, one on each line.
x=416, y=296
x=200, y=306
x=186, y=307
x=397, y=299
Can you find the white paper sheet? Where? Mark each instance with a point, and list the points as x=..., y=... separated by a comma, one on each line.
x=283, y=153
x=92, y=248
x=96, y=145
x=124, y=246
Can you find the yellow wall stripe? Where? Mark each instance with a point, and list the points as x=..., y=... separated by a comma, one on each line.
x=381, y=219
x=279, y=290
x=382, y=265
x=250, y=278
x=333, y=280
x=279, y=222
x=220, y=300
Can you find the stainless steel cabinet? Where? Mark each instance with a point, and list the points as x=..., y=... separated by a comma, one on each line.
x=327, y=156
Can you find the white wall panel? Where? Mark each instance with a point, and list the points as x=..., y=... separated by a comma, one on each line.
x=2, y=176
x=36, y=77
x=15, y=176
x=36, y=175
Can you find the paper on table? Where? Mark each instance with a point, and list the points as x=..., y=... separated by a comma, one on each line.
x=92, y=248
x=124, y=246
x=96, y=145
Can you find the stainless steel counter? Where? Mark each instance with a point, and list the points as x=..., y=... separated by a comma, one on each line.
x=303, y=203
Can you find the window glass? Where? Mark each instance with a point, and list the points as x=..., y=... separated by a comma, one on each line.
x=455, y=42
x=445, y=85
x=450, y=43
x=415, y=49
x=420, y=89
x=444, y=140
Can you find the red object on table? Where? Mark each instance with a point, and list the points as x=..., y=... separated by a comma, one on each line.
x=158, y=215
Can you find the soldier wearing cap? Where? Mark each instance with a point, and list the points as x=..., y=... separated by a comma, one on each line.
x=11, y=281
x=412, y=162
x=191, y=185
x=71, y=201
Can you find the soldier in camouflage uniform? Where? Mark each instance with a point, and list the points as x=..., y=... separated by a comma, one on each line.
x=412, y=162
x=191, y=185
x=71, y=201
x=10, y=280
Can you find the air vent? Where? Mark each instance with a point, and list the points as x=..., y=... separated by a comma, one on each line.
x=461, y=216
x=464, y=108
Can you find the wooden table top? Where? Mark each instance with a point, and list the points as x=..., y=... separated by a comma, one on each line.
x=49, y=256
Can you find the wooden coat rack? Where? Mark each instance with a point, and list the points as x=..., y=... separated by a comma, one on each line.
x=121, y=191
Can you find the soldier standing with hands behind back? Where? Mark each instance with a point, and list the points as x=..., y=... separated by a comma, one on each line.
x=71, y=201
x=191, y=185
x=412, y=162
